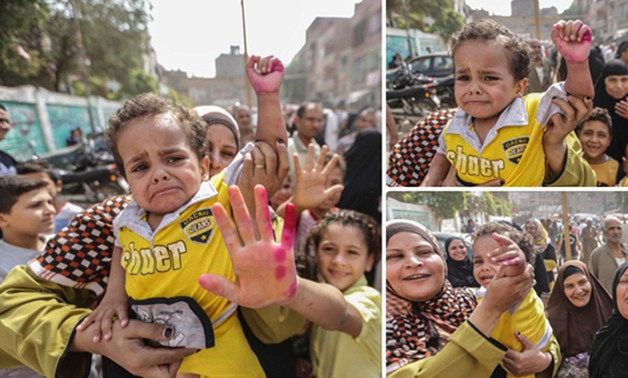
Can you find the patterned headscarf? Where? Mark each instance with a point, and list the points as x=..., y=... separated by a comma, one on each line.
x=415, y=330
x=541, y=240
x=80, y=254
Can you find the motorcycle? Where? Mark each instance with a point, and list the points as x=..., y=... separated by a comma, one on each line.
x=88, y=172
x=410, y=96
x=445, y=91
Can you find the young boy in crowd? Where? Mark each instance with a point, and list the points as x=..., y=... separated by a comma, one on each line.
x=498, y=136
x=40, y=170
x=26, y=213
x=595, y=132
x=527, y=319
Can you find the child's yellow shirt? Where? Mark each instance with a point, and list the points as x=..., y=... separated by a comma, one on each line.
x=166, y=263
x=527, y=318
x=512, y=150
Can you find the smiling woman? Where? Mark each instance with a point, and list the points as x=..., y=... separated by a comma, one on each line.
x=578, y=302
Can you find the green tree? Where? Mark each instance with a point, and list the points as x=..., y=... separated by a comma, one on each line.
x=431, y=16
x=114, y=34
x=22, y=25
x=139, y=82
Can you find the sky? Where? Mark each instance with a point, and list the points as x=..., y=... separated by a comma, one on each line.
x=190, y=34
x=502, y=7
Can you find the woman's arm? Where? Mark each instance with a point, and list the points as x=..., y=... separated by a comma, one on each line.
x=37, y=328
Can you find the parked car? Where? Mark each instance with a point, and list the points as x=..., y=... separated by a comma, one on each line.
x=435, y=65
x=442, y=237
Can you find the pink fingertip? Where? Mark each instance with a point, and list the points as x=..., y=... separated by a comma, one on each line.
x=289, y=226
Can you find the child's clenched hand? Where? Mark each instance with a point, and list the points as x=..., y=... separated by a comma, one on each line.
x=265, y=74
x=572, y=39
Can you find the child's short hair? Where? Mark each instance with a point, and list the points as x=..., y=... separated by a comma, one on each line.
x=365, y=223
x=518, y=50
x=12, y=187
x=150, y=105
x=37, y=166
x=521, y=238
x=597, y=114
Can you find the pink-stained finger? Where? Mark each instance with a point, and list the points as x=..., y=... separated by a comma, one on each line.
x=289, y=227
x=262, y=212
x=228, y=232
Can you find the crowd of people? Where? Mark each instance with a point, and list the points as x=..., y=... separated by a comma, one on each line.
x=197, y=264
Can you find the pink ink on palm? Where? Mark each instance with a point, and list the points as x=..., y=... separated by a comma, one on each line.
x=280, y=272
x=280, y=254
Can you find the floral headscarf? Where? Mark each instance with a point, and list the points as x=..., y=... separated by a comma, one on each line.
x=541, y=240
x=415, y=330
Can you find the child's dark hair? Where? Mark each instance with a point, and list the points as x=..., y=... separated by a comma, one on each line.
x=150, y=105
x=365, y=223
x=517, y=49
x=12, y=187
x=37, y=166
x=597, y=114
x=521, y=238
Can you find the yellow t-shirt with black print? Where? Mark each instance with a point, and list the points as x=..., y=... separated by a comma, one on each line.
x=163, y=266
x=512, y=150
x=527, y=318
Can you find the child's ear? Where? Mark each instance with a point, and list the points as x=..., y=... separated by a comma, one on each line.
x=3, y=220
x=205, y=167
x=370, y=261
x=520, y=86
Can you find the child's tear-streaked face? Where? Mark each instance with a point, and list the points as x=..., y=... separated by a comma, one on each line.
x=484, y=83
x=161, y=167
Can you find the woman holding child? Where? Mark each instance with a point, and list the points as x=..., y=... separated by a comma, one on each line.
x=577, y=308
x=433, y=329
